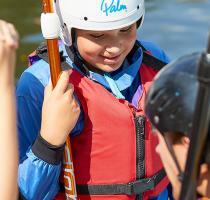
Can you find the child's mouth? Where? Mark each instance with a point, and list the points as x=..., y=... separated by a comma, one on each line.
x=111, y=60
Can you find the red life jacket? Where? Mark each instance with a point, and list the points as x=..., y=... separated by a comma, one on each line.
x=105, y=153
x=114, y=156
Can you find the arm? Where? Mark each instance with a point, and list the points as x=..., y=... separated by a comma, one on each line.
x=39, y=168
x=8, y=141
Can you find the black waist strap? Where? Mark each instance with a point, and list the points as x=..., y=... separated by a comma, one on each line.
x=132, y=188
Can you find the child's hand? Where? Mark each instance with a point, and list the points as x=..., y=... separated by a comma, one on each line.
x=8, y=44
x=60, y=111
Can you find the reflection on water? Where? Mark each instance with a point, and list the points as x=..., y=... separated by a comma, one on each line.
x=178, y=26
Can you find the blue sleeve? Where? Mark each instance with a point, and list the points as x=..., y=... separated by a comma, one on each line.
x=156, y=51
x=37, y=179
x=166, y=194
x=29, y=97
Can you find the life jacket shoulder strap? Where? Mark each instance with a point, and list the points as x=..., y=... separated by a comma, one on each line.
x=42, y=53
x=149, y=60
x=153, y=62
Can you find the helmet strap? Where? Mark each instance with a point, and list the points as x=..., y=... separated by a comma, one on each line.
x=180, y=172
x=138, y=23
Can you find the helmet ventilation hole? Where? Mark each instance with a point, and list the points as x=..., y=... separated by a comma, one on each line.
x=174, y=112
x=64, y=25
x=156, y=119
x=138, y=7
x=85, y=18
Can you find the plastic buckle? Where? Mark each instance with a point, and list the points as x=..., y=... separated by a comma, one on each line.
x=41, y=49
x=140, y=186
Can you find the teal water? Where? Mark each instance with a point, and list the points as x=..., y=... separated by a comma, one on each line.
x=178, y=26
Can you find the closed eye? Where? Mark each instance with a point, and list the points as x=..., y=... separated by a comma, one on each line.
x=126, y=29
x=96, y=35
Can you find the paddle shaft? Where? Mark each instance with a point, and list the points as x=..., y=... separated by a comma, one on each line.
x=55, y=70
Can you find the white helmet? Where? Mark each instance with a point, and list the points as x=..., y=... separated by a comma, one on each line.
x=98, y=15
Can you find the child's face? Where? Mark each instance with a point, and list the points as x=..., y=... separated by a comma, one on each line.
x=180, y=146
x=106, y=50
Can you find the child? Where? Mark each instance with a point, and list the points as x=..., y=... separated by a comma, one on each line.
x=170, y=105
x=113, y=148
x=8, y=141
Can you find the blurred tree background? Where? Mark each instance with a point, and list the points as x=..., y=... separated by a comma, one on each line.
x=24, y=15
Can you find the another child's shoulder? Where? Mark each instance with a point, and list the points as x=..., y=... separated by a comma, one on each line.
x=155, y=50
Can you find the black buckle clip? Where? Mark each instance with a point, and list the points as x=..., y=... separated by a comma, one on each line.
x=140, y=186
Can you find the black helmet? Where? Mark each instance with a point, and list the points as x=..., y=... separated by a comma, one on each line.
x=179, y=101
x=171, y=100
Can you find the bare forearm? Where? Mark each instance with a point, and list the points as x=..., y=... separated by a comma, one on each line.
x=6, y=79
x=8, y=137
x=8, y=143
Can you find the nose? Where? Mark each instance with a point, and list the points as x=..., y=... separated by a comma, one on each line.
x=114, y=44
x=113, y=50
